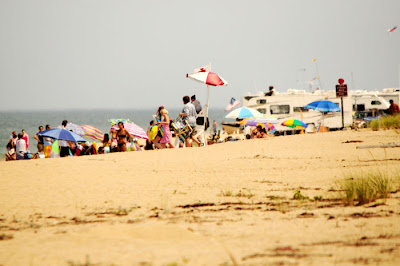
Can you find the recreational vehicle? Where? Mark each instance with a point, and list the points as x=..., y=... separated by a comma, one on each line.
x=290, y=105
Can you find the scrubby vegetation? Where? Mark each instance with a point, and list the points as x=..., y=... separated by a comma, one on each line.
x=387, y=122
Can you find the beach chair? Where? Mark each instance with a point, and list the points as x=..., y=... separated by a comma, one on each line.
x=181, y=129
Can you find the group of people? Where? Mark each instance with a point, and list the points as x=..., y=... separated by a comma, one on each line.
x=160, y=129
x=256, y=132
x=119, y=139
x=18, y=144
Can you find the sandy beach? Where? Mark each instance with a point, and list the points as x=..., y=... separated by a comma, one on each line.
x=225, y=204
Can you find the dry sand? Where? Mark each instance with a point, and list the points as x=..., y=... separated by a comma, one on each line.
x=228, y=204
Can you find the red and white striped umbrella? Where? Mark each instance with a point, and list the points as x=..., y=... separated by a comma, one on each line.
x=134, y=130
x=208, y=78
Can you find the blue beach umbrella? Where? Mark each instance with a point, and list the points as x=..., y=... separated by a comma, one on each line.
x=323, y=106
x=63, y=134
x=243, y=112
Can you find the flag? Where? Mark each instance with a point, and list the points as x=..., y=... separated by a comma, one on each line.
x=392, y=29
x=206, y=68
x=232, y=104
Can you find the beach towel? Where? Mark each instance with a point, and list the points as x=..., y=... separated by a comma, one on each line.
x=55, y=150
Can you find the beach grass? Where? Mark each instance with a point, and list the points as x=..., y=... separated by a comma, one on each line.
x=366, y=187
x=388, y=122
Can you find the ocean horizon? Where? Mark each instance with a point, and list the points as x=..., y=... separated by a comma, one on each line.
x=30, y=120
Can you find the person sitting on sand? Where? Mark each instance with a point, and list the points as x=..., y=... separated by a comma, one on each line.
x=123, y=136
x=106, y=143
x=20, y=147
x=13, y=139
x=261, y=131
x=10, y=155
x=253, y=132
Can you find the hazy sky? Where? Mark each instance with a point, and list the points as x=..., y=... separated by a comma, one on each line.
x=135, y=54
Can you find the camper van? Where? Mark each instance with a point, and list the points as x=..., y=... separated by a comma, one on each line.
x=357, y=107
x=290, y=105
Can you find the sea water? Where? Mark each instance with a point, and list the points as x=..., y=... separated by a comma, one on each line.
x=31, y=120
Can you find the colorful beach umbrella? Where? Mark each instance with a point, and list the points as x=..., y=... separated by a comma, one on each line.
x=134, y=130
x=323, y=106
x=63, y=134
x=294, y=123
x=92, y=132
x=115, y=121
x=253, y=121
x=243, y=112
x=75, y=128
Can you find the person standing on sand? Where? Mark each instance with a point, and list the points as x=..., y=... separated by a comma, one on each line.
x=393, y=108
x=26, y=138
x=189, y=115
x=64, y=146
x=164, y=123
x=196, y=104
x=123, y=136
x=40, y=145
x=47, y=144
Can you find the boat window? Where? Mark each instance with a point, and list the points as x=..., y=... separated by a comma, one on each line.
x=248, y=97
x=299, y=109
x=279, y=109
x=375, y=103
x=261, y=101
x=262, y=110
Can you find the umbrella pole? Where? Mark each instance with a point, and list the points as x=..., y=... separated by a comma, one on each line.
x=206, y=115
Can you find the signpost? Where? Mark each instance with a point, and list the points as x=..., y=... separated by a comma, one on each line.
x=341, y=91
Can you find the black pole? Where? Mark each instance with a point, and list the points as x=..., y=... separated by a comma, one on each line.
x=341, y=100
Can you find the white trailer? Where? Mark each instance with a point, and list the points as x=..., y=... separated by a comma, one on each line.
x=290, y=105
